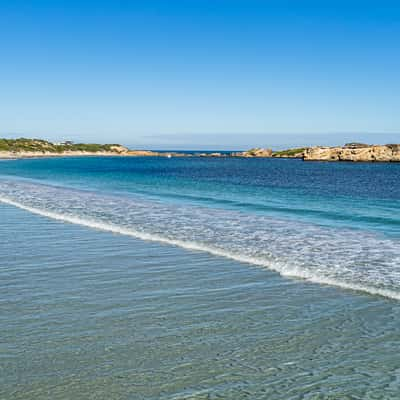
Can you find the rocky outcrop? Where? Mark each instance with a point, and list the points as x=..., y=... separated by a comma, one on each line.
x=211, y=155
x=150, y=153
x=142, y=153
x=257, y=152
x=356, y=152
x=119, y=149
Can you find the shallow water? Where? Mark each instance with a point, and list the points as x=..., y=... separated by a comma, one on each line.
x=88, y=314
x=196, y=310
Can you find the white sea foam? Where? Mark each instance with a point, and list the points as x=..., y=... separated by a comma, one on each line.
x=349, y=259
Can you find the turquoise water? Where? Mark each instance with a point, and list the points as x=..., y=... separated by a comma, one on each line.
x=365, y=196
x=142, y=278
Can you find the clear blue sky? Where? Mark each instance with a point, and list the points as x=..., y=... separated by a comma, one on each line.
x=200, y=73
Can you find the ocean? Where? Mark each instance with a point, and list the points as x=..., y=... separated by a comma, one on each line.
x=199, y=278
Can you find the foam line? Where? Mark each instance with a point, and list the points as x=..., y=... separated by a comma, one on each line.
x=282, y=269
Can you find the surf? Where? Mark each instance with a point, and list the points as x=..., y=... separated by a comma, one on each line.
x=196, y=229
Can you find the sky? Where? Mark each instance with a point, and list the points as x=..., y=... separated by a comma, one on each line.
x=201, y=74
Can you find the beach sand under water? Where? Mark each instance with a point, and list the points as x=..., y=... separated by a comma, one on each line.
x=89, y=314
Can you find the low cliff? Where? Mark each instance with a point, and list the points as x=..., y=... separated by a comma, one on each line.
x=354, y=152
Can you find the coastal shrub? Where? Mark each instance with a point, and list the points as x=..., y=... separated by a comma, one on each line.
x=290, y=152
x=39, y=145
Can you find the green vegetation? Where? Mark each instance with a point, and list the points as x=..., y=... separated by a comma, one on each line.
x=290, y=152
x=38, y=145
x=252, y=152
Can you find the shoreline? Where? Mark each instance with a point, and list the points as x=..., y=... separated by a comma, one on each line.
x=351, y=158
x=21, y=156
x=97, y=281
x=14, y=149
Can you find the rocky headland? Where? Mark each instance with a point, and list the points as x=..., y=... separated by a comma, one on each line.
x=356, y=152
x=33, y=148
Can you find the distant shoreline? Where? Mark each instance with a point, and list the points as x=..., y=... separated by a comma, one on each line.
x=33, y=155
x=11, y=149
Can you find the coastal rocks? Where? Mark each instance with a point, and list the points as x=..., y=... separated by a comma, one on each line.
x=119, y=149
x=150, y=153
x=355, y=152
x=142, y=153
x=322, y=153
x=395, y=152
x=257, y=152
x=210, y=155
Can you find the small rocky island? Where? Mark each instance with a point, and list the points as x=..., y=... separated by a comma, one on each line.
x=32, y=148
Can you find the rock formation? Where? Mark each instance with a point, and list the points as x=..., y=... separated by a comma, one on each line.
x=257, y=152
x=354, y=152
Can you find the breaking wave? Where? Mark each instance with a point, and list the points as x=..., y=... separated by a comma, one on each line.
x=351, y=259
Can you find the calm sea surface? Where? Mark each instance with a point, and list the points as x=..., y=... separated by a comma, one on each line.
x=191, y=278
